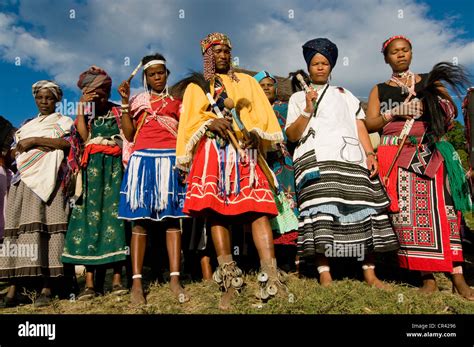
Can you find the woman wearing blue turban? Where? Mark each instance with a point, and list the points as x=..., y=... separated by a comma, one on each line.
x=341, y=201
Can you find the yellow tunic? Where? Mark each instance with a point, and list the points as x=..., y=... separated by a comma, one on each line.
x=258, y=116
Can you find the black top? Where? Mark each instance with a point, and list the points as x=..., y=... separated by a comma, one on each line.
x=390, y=96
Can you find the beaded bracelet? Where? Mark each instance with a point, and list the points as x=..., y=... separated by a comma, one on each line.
x=371, y=153
x=387, y=116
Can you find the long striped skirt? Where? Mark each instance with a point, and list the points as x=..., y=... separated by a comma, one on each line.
x=342, y=213
x=151, y=187
x=34, y=233
x=220, y=184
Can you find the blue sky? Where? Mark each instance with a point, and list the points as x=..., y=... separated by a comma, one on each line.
x=52, y=39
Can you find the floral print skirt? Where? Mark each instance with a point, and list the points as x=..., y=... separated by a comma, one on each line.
x=95, y=235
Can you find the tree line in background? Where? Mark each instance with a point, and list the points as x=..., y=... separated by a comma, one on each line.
x=457, y=138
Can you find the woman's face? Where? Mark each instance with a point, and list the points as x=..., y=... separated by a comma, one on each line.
x=398, y=55
x=45, y=101
x=268, y=86
x=222, y=58
x=156, y=77
x=319, y=69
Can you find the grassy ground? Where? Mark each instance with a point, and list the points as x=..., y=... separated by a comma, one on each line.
x=469, y=217
x=306, y=296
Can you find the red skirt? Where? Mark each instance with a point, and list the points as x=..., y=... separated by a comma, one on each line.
x=208, y=193
x=425, y=221
x=287, y=239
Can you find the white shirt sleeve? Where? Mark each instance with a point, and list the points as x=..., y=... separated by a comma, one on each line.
x=355, y=105
x=294, y=109
x=360, y=114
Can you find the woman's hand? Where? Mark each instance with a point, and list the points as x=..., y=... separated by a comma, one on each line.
x=253, y=142
x=88, y=97
x=124, y=91
x=183, y=176
x=310, y=98
x=85, y=102
x=220, y=126
x=26, y=144
x=412, y=109
x=372, y=165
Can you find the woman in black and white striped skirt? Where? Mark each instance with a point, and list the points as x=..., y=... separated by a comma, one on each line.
x=342, y=203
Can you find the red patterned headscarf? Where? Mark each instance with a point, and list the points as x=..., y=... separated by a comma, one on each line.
x=95, y=79
x=208, y=56
x=389, y=41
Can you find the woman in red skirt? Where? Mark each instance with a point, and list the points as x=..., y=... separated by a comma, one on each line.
x=426, y=183
x=225, y=183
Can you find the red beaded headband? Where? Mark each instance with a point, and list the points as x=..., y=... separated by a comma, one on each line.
x=387, y=42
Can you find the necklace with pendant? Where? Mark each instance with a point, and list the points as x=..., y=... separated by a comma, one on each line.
x=407, y=87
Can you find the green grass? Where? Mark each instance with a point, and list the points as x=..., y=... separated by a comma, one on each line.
x=469, y=217
x=306, y=296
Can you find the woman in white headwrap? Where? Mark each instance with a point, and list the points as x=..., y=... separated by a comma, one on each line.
x=37, y=210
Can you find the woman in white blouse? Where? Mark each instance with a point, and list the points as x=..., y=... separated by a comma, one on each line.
x=342, y=203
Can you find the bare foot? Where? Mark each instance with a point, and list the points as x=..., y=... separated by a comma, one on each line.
x=179, y=292
x=466, y=293
x=137, y=297
x=373, y=281
x=462, y=288
x=325, y=279
x=378, y=284
x=226, y=299
x=429, y=286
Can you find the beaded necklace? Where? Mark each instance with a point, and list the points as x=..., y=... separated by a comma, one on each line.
x=407, y=87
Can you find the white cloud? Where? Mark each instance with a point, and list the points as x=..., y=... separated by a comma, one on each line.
x=358, y=28
x=104, y=33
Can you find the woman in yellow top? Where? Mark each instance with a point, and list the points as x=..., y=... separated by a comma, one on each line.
x=225, y=184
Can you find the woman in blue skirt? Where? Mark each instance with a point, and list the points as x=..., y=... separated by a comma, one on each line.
x=152, y=189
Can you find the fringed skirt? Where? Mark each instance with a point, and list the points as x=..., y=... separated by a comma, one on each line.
x=220, y=183
x=342, y=213
x=34, y=234
x=425, y=221
x=151, y=187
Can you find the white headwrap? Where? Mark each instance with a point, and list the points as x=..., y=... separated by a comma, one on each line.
x=50, y=85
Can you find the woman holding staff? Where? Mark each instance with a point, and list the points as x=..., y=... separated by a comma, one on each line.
x=342, y=203
x=152, y=189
